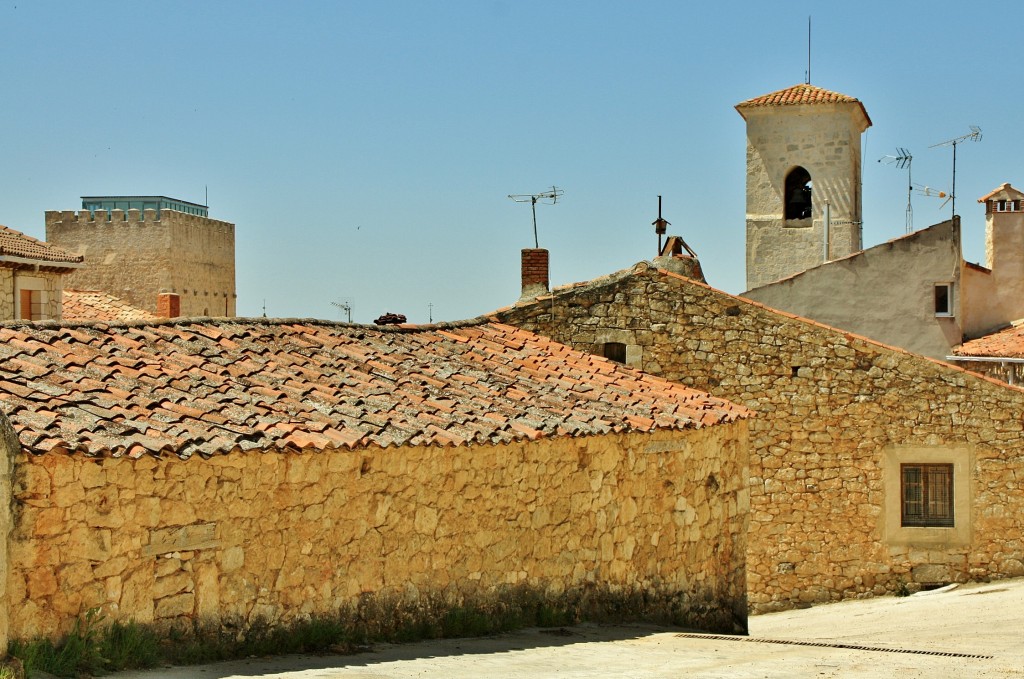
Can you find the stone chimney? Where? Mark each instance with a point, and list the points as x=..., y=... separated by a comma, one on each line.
x=674, y=259
x=168, y=305
x=535, y=273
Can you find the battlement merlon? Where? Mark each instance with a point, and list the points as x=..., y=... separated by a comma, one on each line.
x=133, y=217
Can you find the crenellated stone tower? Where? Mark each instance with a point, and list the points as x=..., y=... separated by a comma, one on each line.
x=803, y=154
x=138, y=255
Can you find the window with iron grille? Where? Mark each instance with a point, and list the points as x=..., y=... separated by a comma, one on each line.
x=927, y=494
x=615, y=351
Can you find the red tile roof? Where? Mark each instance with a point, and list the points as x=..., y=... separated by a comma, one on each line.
x=801, y=94
x=16, y=244
x=1008, y=343
x=93, y=305
x=183, y=387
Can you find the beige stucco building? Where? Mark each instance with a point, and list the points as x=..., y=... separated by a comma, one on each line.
x=942, y=299
x=804, y=249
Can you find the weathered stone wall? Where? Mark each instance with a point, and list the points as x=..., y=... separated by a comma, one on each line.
x=845, y=293
x=136, y=256
x=835, y=413
x=282, y=536
x=6, y=293
x=824, y=139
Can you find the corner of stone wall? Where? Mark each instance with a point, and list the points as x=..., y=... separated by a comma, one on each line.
x=9, y=448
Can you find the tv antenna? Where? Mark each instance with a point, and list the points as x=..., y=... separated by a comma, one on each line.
x=346, y=307
x=549, y=197
x=975, y=135
x=903, y=159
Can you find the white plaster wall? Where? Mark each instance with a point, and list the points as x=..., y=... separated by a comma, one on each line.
x=885, y=293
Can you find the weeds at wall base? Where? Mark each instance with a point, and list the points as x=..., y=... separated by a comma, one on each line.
x=95, y=649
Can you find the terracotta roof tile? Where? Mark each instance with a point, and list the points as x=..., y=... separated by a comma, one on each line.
x=93, y=305
x=801, y=94
x=183, y=387
x=798, y=94
x=1007, y=343
x=16, y=244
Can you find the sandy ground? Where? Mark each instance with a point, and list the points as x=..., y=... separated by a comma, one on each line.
x=966, y=631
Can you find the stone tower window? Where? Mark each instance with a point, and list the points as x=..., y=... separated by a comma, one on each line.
x=798, y=194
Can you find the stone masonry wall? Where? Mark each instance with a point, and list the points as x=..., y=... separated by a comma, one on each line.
x=280, y=536
x=835, y=414
x=824, y=140
x=6, y=293
x=136, y=256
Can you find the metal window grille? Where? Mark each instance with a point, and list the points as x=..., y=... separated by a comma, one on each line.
x=927, y=493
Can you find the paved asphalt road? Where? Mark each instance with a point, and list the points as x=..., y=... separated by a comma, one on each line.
x=966, y=631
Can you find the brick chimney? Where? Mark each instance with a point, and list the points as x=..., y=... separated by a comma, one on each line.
x=535, y=272
x=168, y=305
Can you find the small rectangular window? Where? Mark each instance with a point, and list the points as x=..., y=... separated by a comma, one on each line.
x=927, y=495
x=943, y=299
x=32, y=305
x=615, y=351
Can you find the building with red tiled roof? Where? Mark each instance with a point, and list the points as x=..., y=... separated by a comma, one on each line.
x=872, y=469
x=31, y=274
x=238, y=472
x=803, y=94
x=805, y=251
x=94, y=305
x=999, y=354
x=220, y=387
x=803, y=167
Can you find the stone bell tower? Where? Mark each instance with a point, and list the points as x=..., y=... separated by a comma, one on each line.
x=803, y=180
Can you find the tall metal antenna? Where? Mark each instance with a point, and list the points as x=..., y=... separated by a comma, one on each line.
x=903, y=159
x=975, y=135
x=430, y=312
x=346, y=307
x=659, y=225
x=549, y=197
x=808, y=50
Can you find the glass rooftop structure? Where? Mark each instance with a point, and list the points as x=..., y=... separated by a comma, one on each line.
x=158, y=203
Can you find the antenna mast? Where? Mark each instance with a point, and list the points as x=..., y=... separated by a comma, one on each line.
x=975, y=135
x=346, y=307
x=903, y=159
x=549, y=197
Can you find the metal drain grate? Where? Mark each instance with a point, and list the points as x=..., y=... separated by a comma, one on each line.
x=823, y=644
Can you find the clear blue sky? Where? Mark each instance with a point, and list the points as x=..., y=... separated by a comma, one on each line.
x=365, y=149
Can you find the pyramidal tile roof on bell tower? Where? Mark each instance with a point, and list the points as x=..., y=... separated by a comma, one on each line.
x=801, y=94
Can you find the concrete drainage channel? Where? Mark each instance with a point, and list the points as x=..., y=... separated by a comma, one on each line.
x=822, y=644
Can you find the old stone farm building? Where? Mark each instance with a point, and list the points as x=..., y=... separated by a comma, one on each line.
x=870, y=467
x=224, y=472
